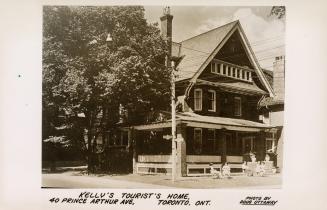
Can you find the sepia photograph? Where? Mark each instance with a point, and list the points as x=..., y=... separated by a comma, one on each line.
x=163, y=96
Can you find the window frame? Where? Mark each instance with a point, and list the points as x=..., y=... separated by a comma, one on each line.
x=252, y=141
x=200, y=99
x=239, y=113
x=272, y=139
x=214, y=134
x=213, y=68
x=214, y=100
x=194, y=140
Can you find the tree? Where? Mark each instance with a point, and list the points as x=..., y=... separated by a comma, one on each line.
x=86, y=79
x=278, y=11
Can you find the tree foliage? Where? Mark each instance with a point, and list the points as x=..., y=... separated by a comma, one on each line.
x=86, y=78
x=278, y=11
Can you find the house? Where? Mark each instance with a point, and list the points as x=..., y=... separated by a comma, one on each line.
x=273, y=109
x=219, y=87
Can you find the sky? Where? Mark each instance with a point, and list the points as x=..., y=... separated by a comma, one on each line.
x=265, y=33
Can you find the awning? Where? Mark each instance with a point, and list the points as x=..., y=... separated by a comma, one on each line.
x=200, y=121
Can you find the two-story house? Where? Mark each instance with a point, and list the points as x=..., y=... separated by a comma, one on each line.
x=219, y=84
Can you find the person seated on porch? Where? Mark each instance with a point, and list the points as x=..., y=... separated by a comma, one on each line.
x=244, y=167
x=261, y=168
x=215, y=172
x=253, y=158
x=226, y=170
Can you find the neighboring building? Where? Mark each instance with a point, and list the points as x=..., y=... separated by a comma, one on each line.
x=219, y=86
x=273, y=107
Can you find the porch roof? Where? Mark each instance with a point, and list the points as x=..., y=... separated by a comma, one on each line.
x=195, y=120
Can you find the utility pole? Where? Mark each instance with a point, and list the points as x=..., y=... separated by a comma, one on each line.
x=166, y=24
x=173, y=125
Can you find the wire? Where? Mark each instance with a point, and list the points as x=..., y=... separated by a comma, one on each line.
x=254, y=51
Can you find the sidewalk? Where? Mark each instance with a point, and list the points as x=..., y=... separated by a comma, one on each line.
x=78, y=179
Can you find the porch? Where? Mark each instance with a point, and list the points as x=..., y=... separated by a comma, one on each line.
x=200, y=140
x=196, y=165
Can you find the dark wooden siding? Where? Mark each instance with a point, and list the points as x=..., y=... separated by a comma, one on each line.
x=225, y=104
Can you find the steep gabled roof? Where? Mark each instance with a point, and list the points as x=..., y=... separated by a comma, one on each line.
x=199, y=50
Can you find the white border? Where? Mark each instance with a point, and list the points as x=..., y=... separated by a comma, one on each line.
x=305, y=131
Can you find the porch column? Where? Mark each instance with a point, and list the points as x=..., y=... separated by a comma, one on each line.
x=279, y=151
x=181, y=151
x=133, y=139
x=223, y=146
x=261, y=146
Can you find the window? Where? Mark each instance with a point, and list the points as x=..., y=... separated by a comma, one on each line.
x=212, y=143
x=247, y=75
x=212, y=100
x=238, y=73
x=213, y=68
x=232, y=144
x=221, y=68
x=211, y=135
x=237, y=106
x=119, y=138
x=271, y=141
x=243, y=74
x=248, y=144
x=124, y=138
x=197, y=146
x=234, y=70
x=229, y=71
x=197, y=99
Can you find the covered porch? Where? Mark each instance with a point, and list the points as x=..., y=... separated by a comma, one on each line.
x=200, y=140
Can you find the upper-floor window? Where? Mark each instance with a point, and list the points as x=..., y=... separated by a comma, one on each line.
x=237, y=106
x=212, y=100
x=197, y=99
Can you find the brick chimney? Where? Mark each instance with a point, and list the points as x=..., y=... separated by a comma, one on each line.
x=279, y=77
x=166, y=23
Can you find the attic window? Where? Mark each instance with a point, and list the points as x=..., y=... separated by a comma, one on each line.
x=229, y=71
x=213, y=68
x=226, y=69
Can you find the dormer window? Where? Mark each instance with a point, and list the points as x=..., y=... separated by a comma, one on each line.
x=212, y=100
x=197, y=99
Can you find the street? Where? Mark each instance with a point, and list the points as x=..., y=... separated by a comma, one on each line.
x=77, y=179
